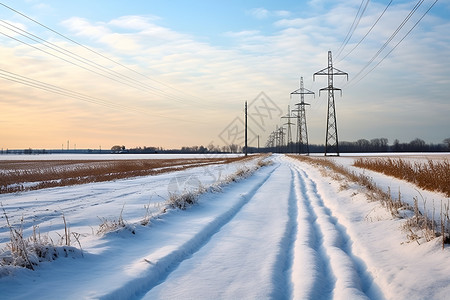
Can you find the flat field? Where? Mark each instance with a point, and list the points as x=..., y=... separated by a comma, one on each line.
x=22, y=175
x=264, y=227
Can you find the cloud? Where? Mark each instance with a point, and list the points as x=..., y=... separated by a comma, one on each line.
x=240, y=34
x=205, y=84
x=259, y=13
x=282, y=13
x=262, y=13
x=82, y=27
x=133, y=22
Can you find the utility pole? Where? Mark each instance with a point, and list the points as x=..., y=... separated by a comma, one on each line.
x=302, y=130
x=245, y=128
x=331, y=140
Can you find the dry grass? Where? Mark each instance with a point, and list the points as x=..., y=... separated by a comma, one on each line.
x=188, y=198
x=29, y=252
x=373, y=192
x=16, y=176
x=417, y=227
x=432, y=175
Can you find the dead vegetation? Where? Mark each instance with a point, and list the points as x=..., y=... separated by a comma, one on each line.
x=188, y=198
x=17, y=176
x=432, y=175
x=29, y=252
x=418, y=226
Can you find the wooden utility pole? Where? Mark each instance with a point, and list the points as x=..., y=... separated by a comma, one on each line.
x=245, y=128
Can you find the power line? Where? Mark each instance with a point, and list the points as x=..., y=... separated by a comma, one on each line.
x=122, y=79
x=374, y=24
x=70, y=62
x=72, y=55
x=418, y=21
x=418, y=4
x=106, y=57
x=353, y=27
x=73, y=94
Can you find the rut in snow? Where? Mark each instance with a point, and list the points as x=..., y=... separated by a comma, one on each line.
x=338, y=273
x=167, y=264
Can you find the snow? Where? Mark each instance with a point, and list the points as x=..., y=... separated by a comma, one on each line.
x=286, y=232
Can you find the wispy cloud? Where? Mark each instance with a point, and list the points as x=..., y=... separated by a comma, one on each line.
x=262, y=13
x=259, y=13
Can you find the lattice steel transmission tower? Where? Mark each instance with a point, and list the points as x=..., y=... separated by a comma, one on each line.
x=302, y=130
x=279, y=138
x=289, y=131
x=331, y=140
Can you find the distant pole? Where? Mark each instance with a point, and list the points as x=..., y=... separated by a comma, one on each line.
x=258, y=142
x=245, y=128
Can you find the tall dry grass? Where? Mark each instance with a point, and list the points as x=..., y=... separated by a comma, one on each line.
x=28, y=252
x=432, y=175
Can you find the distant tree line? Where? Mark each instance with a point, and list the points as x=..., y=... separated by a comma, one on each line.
x=359, y=146
x=211, y=148
x=366, y=146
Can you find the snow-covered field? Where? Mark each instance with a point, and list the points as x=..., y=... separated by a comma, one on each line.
x=286, y=232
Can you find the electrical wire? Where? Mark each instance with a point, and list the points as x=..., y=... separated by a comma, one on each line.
x=76, y=95
x=126, y=79
x=122, y=79
x=362, y=39
x=418, y=4
x=111, y=60
x=418, y=21
x=353, y=27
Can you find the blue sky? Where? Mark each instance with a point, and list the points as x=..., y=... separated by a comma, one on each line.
x=202, y=59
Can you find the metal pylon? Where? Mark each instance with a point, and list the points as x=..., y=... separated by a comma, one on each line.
x=331, y=140
x=280, y=138
x=289, y=131
x=302, y=129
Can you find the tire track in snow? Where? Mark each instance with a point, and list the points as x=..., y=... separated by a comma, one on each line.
x=346, y=272
x=284, y=261
x=309, y=252
x=165, y=265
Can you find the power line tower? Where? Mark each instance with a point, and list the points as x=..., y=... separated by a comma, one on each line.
x=289, y=131
x=279, y=137
x=302, y=130
x=331, y=141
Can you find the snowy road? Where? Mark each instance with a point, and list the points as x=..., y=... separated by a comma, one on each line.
x=283, y=243
x=286, y=232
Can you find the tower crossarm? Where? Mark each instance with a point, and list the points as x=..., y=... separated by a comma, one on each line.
x=330, y=88
x=302, y=92
x=333, y=71
x=301, y=103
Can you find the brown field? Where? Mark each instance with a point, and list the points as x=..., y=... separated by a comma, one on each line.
x=23, y=175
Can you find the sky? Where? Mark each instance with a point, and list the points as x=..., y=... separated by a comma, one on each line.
x=177, y=73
